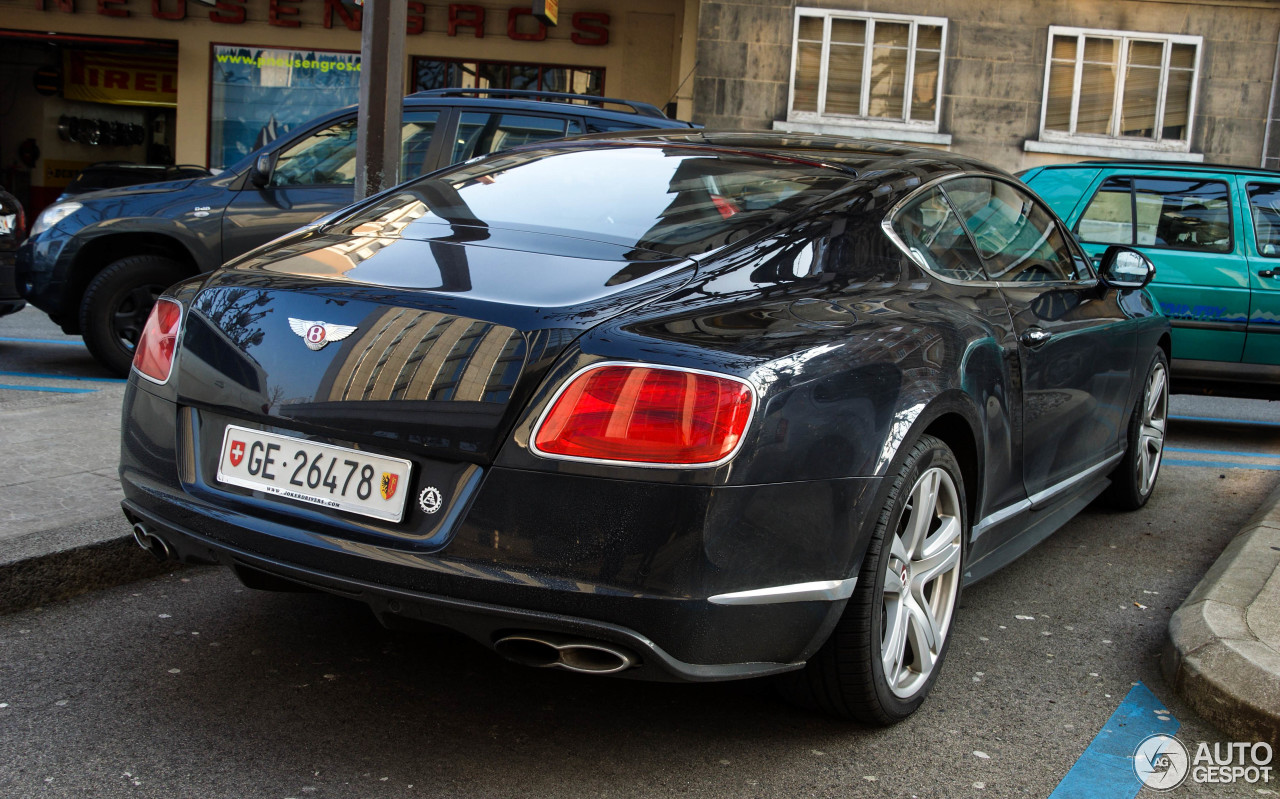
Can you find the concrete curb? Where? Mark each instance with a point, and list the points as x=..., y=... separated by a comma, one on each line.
x=50, y=566
x=1223, y=651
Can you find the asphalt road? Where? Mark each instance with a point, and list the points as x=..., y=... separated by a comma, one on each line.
x=191, y=686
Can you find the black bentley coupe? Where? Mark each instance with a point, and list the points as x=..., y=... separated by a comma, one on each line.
x=671, y=405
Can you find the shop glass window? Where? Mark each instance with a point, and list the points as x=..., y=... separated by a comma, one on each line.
x=1178, y=213
x=1264, y=203
x=932, y=232
x=259, y=94
x=446, y=73
x=884, y=67
x=1119, y=85
x=480, y=133
x=1017, y=237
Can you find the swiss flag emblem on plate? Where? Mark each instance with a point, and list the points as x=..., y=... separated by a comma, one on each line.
x=236, y=453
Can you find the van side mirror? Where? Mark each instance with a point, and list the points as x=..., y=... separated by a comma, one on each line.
x=260, y=172
x=1125, y=268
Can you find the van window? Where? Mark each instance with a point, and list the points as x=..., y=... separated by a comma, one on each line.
x=1178, y=213
x=1264, y=203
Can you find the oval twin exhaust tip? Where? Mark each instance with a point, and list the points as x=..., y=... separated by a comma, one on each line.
x=151, y=542
x=571, y=654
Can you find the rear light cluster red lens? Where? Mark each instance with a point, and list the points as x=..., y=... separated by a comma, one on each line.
x=153, y=357
x=643, y=414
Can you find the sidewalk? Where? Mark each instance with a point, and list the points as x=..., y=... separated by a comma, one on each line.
x=1223, y=652
x=61, y=529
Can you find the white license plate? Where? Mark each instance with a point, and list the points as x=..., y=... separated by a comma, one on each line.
x=322, y=474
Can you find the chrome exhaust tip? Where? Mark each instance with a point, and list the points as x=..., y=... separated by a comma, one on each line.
x=571, y=654
x=151, y=542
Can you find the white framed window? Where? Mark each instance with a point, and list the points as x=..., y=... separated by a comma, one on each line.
x=866, y=71
x=1110, y=92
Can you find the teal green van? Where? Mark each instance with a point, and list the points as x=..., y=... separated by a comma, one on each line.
x=1213, y=233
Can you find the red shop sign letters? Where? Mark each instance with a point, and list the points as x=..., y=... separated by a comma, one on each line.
x=590, y=28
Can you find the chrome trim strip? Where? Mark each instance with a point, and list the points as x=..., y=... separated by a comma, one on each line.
x=1039, y=498
x=1005, y=513
x=822, y=590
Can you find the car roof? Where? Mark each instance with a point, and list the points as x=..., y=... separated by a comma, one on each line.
x=1158, y=165
x=854, y=155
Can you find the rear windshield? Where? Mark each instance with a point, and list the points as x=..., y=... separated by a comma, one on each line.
x=670, y=199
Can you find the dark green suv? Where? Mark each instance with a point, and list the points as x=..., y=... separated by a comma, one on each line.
x=1213, y=233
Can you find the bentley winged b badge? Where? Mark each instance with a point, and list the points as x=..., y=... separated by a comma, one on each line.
x=318, y=334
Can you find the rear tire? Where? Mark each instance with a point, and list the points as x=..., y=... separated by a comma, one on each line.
x=1134, y=479
x=887, y=649
x=116, y=305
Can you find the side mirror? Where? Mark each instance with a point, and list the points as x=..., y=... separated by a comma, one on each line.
x=260, y=172
x=1125, y=268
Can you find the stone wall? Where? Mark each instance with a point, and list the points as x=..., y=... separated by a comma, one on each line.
x=995, y=67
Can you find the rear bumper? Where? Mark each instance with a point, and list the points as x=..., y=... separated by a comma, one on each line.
x=633, y=564
x=483, y=622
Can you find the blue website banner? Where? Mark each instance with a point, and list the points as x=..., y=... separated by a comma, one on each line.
x=260, y=94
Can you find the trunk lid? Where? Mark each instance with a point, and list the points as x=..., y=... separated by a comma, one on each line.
x=435, y=345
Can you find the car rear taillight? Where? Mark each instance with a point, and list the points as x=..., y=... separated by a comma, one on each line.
x=153, y=357
x=654, y=415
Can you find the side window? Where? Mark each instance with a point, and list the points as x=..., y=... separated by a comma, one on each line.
x=325, y=158
x=1264, y=202
x=415, y=141
x=1018, y=239
x=1186, y=214
x=1109, y=217
x=480, y=133
x=933, y=233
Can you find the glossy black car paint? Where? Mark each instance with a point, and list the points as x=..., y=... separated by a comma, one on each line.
x=203, y=223
x=854, y=357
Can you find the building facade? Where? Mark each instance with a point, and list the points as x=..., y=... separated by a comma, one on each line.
x=206, y=81
x=1017, y=84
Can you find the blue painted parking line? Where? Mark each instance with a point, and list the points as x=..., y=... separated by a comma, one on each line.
x=1226, y=421
x=1222, y=464
x=1105, y=770
x=49, y=389
x=67, y=342
x=36, y=376
x=1233, y=453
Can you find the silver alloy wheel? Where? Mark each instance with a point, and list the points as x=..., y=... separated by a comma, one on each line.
x=1155, y=417
x=921, y=583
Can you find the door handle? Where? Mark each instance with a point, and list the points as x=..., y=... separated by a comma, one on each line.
x=1267, y=273
x=1034, y=337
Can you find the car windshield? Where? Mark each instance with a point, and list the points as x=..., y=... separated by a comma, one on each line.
x=675, y=200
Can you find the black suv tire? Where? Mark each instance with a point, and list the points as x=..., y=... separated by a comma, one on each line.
x=116, y=305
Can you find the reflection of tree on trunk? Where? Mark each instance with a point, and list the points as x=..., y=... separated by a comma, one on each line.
x=236, y=313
